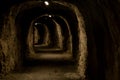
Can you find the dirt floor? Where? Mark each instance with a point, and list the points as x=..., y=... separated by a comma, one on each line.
x=50, y=71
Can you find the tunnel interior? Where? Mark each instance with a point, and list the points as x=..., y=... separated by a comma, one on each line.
x=101, y=19
x=51, y=31
x=49, y=39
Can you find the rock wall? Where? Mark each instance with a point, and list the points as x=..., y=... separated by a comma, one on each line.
x=102, y=27
x=10, y=51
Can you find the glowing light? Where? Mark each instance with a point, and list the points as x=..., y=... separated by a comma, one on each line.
x=46, y=3
x=50, y=15
x=36, y=23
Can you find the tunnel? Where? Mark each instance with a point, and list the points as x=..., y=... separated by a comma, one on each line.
x=59, y=40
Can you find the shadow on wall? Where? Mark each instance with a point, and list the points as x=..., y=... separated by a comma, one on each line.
x=102, y=28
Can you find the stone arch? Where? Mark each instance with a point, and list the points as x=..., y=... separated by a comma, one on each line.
x=80, y=33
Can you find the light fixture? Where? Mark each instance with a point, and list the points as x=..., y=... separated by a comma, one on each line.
x=50, y=16
x=36, y=24
x=46, y=3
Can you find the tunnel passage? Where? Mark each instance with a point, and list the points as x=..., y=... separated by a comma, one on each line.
x=49, y=32
x=56, y=37
x=102, y=26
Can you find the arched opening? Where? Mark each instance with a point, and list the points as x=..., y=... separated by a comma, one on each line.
x=63, y=40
